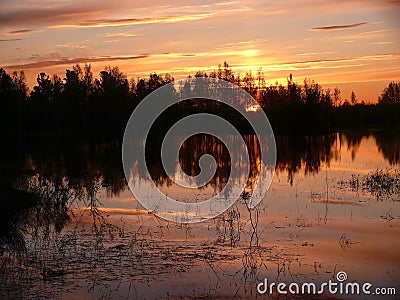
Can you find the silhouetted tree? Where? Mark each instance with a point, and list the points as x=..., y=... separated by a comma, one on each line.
x=249, y=84
x=391, y=94
x=112, y=98
x=41, y=104
x=80, y=103
x=227, y=73
x=312, y=93
x=336, y=97
x=13, y=90
x=353, y=98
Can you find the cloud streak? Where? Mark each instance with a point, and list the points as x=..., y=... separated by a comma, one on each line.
x=338, y=27
x=335, y=63
x=44, y=15
x=20, y=31
x=68, y=46
x=71, y=61
x=166, y=57
x=134, y=21
x=123, y=34
x=9, y=40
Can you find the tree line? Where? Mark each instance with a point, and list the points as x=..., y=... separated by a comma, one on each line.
x=79, y=103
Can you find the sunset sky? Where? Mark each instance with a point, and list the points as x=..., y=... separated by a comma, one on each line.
x=354, y=45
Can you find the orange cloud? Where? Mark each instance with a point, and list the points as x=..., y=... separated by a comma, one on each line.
x=71, y=61
x=133, y=21
x=122, y=34
x=72, y=47
x=44, y=15
x=384, y=56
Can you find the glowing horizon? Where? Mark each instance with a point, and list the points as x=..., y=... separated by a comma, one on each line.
x=349, y=44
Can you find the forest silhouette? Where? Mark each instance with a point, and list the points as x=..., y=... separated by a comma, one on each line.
x=83, y=105
x=60, y=120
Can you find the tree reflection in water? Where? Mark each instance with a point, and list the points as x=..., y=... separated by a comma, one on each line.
x=64, y=179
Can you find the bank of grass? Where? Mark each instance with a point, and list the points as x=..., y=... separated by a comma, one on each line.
x=383, y=184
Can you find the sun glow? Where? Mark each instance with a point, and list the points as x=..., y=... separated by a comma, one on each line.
x=253, y=108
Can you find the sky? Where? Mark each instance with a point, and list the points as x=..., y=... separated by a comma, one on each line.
x=353, y=45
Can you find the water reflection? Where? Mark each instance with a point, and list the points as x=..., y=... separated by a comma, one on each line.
x=389, y=145
x=63, y=178
x=83, y=163
x=198, y=145
x=305, y=153
x=76, y=171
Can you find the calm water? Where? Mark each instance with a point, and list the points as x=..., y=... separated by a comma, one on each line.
x=334, y=205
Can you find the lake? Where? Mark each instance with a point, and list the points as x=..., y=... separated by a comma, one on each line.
x=333, y=206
